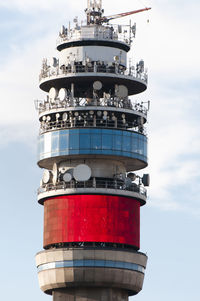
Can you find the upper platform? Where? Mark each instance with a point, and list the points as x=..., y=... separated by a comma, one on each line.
x=109, y=35
x=83, y=76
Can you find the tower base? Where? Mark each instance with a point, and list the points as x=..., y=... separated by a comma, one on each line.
x=90, y=294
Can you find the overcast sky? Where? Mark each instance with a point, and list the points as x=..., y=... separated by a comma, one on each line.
x=168, y=40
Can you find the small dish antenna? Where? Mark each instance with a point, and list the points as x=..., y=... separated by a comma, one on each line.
x=53, y=94
x=64, y=117
x=62, y=94
x=46, y=176
x=67, y=177
x=55, y=173
x=97, y=85
x=122, y=91
x=82, y=172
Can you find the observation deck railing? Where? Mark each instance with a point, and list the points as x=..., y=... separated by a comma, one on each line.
x=74, y=69
x=95, y=183
x=99, y=123
x=100, y=33
x=43, y=106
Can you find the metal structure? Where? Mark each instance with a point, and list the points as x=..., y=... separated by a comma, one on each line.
x=92, y=140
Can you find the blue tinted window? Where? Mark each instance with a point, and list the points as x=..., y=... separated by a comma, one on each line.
x=73, y=140
x=95, y=141
x=117, y=142
x=54, y=143
x=84, y=141
x=126, y=144
x=107, y=141
x=64, y=142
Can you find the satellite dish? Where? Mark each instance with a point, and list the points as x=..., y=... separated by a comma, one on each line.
x=97, y=85
x=46, y=176
x=44, y=118
x=146, y=179
x=48, y=118
x=99, y=113
x=132, y=176
x=62, y=94
x=57, y=116
x=105, y=113
x=122, y=91
x=53, y=93
x=67, y=177
x=55, y=173
x=54, y=62
x=82, y=172
x=64, y=117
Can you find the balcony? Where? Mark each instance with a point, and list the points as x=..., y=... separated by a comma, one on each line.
x=94, y=185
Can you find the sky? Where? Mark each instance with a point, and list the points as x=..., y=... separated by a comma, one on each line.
x=168, y=41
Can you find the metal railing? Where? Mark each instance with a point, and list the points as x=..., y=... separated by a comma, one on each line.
x=105, y=33
x=46, y=105
x=99, y=123
x=94, y=183
x=95, y=68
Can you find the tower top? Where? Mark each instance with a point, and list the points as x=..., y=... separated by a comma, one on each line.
x=94, y=12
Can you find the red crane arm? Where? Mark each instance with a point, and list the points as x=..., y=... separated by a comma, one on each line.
x=106, y=19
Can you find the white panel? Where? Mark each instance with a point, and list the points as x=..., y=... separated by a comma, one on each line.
x=95, y=53
x=47, y=143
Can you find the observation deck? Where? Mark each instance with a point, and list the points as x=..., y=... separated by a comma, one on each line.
x=78, y=73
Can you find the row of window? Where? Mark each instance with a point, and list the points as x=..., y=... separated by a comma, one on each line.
x=93, y=141
x=92, y=263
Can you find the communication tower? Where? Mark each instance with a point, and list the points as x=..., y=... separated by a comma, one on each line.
x=92, y=141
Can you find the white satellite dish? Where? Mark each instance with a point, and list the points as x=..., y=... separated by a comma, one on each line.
x=53, y=93
x=46, y=176
x=48, y=118
x=64, y=117
x=62, y=94
x=97, y=85
x=44, y=118
x=57, y=116
x=82, y=172
x=67, y=177
x=122, y=91
x=55, y=173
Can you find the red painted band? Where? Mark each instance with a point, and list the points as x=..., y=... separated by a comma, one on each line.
x=92, y=218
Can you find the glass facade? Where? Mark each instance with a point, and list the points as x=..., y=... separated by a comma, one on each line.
x=93, y=141
x=92, y=263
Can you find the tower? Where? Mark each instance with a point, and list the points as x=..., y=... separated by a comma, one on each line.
x=92, y=140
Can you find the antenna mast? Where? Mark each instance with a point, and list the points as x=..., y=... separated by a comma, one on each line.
x=94, y=11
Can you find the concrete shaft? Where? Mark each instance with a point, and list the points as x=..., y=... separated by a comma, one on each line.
x=90, y=294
